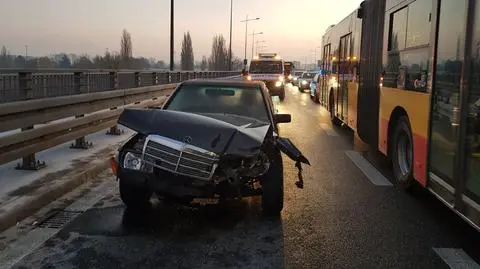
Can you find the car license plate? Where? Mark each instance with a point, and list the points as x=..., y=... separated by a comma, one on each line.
x=205, y=201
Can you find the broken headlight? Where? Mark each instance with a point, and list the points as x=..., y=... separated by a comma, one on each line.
x=132, y=161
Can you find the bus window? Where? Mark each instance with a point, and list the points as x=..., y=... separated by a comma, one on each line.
x=408, y=50
x=418, y=29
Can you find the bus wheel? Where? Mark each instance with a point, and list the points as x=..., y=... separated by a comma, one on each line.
x=402, y=153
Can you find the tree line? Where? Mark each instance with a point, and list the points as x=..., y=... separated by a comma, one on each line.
x=218, y=60
x=124, y=59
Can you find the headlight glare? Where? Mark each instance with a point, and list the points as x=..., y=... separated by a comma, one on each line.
x=304, y=82
x=278, y=84
x=290, y=77
x=132, y=161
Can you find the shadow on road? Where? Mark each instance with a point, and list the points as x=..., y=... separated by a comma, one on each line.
x=233, y=235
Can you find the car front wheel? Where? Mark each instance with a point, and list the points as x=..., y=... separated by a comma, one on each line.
x=272, y=186
x=282, y=95
x=134, y=196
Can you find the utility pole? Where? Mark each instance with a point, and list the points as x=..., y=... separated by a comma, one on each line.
x=246, y=35
x=230, y=45
x=171, y=35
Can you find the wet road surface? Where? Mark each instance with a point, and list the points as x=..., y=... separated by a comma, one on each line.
x=341, y=219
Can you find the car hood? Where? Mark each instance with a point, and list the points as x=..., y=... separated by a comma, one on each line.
x=205, y=132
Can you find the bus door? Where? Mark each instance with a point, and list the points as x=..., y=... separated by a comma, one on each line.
x=455, y=115
x=344, y=76
x=468, y=199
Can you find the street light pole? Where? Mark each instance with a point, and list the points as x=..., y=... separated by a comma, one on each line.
x=171, y=35
x=246, y=32
x=26, y=55
x=230, y=45
x=315, y=59
x=253, y=40
x=246, y=35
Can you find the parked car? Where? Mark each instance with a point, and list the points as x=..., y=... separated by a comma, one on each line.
x=313, y=87
x=295, y=78
x=304, y=80
x=212, y=139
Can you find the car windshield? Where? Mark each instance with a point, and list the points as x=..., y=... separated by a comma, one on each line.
x=266, y=67
x=308, y=75
x=216, y=99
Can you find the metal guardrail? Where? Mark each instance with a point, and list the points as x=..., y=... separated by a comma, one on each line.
x=25, y=84
x=93, y=111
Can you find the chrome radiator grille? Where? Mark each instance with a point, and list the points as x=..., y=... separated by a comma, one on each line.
x=179, y=157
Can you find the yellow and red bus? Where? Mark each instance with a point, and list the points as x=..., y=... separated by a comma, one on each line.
x=405, y=76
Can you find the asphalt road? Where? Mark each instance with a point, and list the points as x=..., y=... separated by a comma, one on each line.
x=341, y=219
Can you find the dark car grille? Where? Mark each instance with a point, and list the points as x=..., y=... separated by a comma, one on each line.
x=179, y=158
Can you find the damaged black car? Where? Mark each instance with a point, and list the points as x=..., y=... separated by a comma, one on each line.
x=213, y=140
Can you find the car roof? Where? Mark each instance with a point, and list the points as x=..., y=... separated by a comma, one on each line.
x=224, y=82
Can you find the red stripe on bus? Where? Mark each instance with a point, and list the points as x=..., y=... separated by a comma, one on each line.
x=383, y=136
x=420, y=159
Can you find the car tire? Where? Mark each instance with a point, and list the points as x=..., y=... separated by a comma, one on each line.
x=282, y=94
x=134, y=196
x=402, y=153
x=272, y=186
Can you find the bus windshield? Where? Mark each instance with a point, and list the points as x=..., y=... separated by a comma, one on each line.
x=266, y=67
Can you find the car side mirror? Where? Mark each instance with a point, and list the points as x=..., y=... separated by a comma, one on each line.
x=282, y=118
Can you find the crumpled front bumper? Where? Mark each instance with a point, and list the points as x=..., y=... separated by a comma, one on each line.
x=167, y=183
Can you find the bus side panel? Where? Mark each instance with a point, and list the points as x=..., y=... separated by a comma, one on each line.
x=352, y=105
x=370, y=69
x=416, y=104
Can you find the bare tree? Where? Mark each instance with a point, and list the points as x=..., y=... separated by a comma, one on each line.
x=237, y=63
x=186, y=56
x=126, y=49
x=204, y=63
x=218, y=58
x=5, y=60
x=84, y=62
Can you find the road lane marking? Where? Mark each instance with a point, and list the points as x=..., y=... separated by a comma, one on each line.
x=325, y=127
x=368, y=169
x=456, y=258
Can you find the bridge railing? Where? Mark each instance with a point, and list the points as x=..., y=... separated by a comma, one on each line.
x=24, y=84
x=52, y=108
